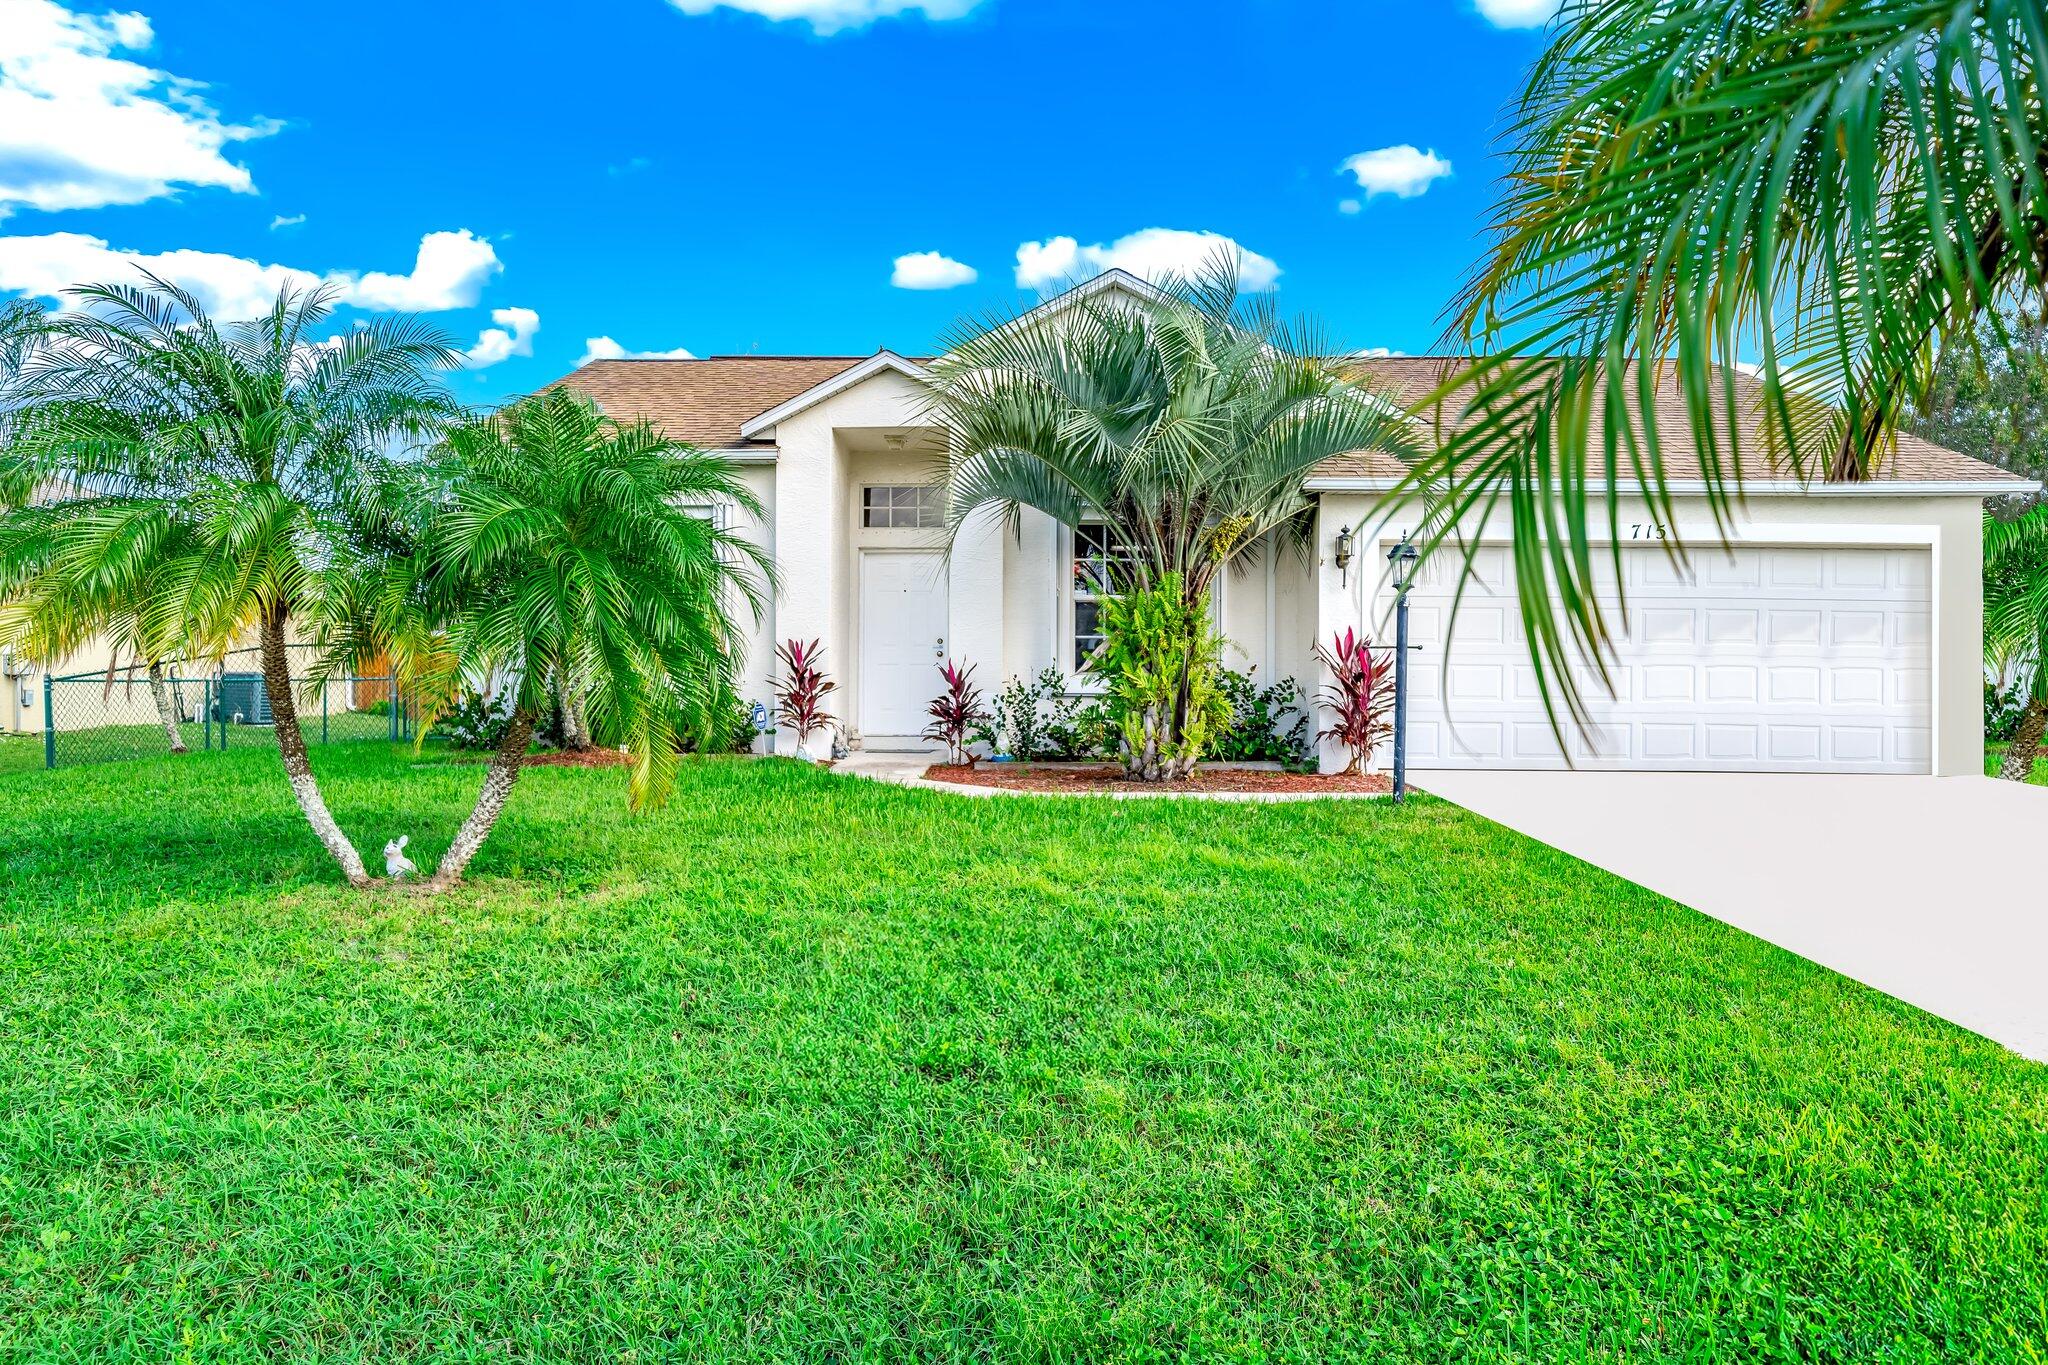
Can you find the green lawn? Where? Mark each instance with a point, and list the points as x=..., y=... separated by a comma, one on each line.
x=1994, y=755
x=808, y=1068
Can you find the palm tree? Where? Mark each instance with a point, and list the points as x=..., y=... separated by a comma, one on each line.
x=2016, y=623
x=1184, y=425
x=564, y=545
x=1836, y=189
x=215, y=473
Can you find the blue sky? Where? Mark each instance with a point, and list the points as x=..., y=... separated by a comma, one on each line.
x=727, y=180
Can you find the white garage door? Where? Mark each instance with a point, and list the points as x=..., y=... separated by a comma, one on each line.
x=1777, y=659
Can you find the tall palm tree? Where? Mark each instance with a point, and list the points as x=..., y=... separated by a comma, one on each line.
x=564, y=545
x=218, y=470
x=1835, y=189
x=1184, y=425
x=2016, y=623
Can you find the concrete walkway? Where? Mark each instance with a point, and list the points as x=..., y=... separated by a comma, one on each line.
x=1933, y=889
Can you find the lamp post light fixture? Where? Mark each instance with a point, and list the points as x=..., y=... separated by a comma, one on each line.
x=1343, y=555
x=1402, y=561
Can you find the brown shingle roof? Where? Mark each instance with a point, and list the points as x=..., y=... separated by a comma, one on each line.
x=702, y=401
x=706, y=401
x=1408, y=380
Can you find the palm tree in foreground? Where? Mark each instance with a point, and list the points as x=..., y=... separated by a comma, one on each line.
x=214, y=477
x=2016, y=623
x=563, y=545
x=1183, y=426
x=1836, y=189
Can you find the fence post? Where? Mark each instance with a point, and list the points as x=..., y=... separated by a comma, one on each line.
x=323, y=713
x=206, y=711
x=49, y=726
x=394, y=710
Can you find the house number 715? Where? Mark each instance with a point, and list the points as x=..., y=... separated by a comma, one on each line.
x=1649, y=530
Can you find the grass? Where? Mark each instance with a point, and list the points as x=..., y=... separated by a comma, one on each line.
x=805, y=1068
x=1994, y=755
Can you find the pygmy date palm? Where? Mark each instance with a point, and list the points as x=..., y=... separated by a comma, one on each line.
x=562, y=544
x=204, y=481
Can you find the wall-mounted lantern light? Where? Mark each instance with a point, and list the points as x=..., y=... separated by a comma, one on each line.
x=1343, y=555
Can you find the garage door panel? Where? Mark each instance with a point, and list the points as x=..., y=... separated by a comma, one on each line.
x=1772, y=658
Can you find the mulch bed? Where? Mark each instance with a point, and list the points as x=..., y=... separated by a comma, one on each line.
x=1108, y=778
x=569, y=758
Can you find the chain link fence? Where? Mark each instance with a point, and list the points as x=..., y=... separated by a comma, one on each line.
x=132, y=713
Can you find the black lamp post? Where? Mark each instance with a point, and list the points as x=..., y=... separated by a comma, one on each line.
x=1402, y=559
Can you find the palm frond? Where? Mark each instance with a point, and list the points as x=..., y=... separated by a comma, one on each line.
x=1833, y=189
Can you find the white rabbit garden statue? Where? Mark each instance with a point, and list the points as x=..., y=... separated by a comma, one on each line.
x=396, y=865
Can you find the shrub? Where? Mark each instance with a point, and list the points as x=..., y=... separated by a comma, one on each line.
x=475, y=722
x=2003, y=707
x=1022, y=715
x=800, y=696
x=1260, y=729
x=1081, y=729
x=1160, y=656
x=955, y=711
x=1359, y=695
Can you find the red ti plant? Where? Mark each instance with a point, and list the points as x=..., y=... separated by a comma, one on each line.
x=800, y=696
x=955, y=710
x=1359, y=695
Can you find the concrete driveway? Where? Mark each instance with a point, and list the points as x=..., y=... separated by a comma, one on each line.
x=1932, y=889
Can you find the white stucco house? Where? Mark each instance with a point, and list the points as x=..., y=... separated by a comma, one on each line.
x=1844, y=632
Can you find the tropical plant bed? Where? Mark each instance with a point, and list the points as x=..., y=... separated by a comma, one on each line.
x=1107, y=777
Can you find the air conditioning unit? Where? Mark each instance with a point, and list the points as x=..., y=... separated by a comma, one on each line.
x=241, y=699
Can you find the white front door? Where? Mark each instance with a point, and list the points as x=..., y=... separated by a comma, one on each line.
x=902, y=639
x=1769, y=659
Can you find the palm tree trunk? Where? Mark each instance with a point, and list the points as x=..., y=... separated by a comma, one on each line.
x=291, y=747
x=2026, y=743
x=490, y=803
x=575, y=725
x=165, y=710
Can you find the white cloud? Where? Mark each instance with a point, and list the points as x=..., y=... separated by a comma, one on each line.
x=282, y=221
x=1377, y=353
x=1153, y=254
x=1402, y=171
x=83, y=128
x=512, y=336
x=930, y=270
x=831, y=16
x=604, y=348
x=1518, y=13
x=449, y=273
x=1349, y=206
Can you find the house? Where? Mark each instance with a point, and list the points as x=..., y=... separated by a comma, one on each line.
x=1843, y=632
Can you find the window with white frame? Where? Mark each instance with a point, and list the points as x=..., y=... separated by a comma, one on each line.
x=1098, y=562
x=902, y=506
